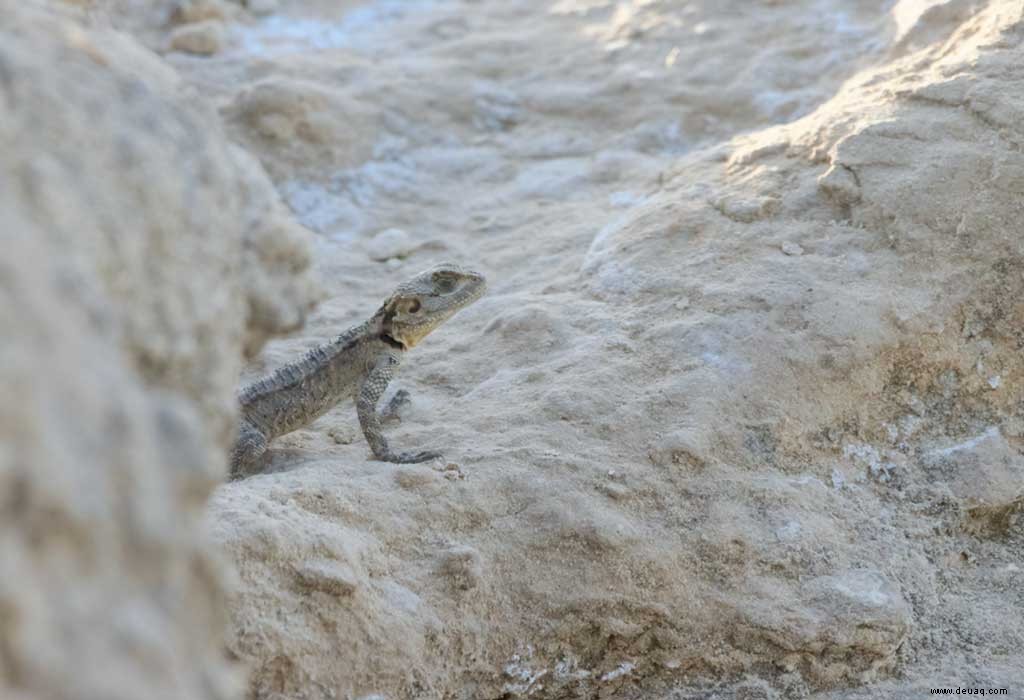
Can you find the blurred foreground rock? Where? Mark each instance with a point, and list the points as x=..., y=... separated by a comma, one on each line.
x=142, y=257
x=739, y=397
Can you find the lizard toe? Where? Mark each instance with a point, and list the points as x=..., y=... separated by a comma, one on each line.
x=416, y=457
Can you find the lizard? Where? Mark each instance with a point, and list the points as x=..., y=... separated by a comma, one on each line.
x=359, y=364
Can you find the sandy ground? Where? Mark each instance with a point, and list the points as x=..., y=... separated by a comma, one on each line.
x=749, y=357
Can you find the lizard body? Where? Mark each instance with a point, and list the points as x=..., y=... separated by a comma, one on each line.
x=357, y=364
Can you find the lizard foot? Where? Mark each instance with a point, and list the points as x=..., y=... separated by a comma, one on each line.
x=411, y=457
x=394, y=408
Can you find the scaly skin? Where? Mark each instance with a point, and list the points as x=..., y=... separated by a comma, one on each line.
x=359, y=363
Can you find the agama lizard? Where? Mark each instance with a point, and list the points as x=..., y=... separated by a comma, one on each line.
x=358, y=363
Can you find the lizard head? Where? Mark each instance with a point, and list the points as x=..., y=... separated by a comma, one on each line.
x=429, y=299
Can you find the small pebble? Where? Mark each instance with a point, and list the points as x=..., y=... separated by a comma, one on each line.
x=791, y=248
x=342, y=435
x=452, y=472
x=202, y=38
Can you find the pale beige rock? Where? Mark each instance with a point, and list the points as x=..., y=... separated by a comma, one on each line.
x=301, y=124
x=723, y=416
x=680, y=461
x=189, y=11
x=204, y=38
x=390, y=243
x=124, y=311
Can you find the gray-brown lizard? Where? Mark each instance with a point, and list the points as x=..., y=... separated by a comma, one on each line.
x=359, y=363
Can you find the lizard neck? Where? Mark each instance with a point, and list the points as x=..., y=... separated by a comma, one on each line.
x=392, y=341
x=381, y=324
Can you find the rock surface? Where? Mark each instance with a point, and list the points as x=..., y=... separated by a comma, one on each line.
x=202, y=38
x=142, y=253
x=747, y=380
x=740, y=416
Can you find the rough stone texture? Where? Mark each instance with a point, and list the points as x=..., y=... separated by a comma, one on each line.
x=742, y=411
x=740, y=417
x=390, y=243
x=124, y=308
x=299, y=125
x=203, y=38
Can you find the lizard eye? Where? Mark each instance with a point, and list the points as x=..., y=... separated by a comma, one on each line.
x=414, y=306
x=444, y=284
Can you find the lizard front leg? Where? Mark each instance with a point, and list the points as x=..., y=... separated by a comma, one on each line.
x=250, y=446
x=372, y=389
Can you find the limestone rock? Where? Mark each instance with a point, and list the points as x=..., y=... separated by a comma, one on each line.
x=125, y=311
x=203, y=38
x=718, y=436
x=189, y=11
x=688, y=463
